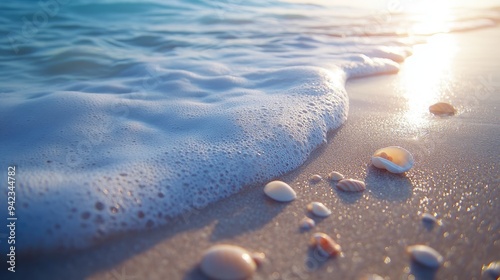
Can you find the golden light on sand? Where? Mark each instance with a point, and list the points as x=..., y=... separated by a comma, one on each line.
x=427, y=75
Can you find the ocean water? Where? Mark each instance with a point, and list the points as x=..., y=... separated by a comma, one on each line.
x=122, y=115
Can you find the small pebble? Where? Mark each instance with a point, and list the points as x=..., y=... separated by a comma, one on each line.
x=425, y=255
x=307, y=223
x=430, y=219
x=315, y=179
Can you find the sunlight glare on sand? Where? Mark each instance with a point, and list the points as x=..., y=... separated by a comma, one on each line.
x=427, y=76
x=428, y=72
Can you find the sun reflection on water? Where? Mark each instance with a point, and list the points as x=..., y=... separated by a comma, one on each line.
x=432, y=16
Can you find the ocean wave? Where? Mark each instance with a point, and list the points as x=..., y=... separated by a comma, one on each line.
x=121, y=116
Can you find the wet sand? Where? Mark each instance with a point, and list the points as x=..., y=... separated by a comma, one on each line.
x=456, y=177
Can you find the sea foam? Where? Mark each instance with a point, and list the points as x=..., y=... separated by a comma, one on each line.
x=121, y=116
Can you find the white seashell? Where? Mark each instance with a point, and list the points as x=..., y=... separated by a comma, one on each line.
x=351, y=185
x=335, y=176
x=259, y=258
x=319, y=209
x=492, y=270
x=395, y=159
x=425, y=255
x=372, y=277
x=442, y=109
x=325, y=245
x=280, y=191
x=307, y=223
x=226, y=262
x=315, y=178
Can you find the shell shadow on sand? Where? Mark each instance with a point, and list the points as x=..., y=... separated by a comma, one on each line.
x=244, y=217
x=195, y=273
x=388, y=186
x=314, y=259
x=421, y=272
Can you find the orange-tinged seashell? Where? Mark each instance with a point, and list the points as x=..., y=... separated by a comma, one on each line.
x=394, y=159
x=492, y=270
x=325, y=245
x=384, y=155
x=442, y=109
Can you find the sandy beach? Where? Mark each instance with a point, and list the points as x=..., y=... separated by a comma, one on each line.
x=455, y=177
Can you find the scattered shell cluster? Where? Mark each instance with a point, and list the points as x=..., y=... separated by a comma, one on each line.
x=233, y=262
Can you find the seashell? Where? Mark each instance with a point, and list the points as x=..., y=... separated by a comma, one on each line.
x=442, y=109
x=227, y=262
x=351, y=185
x=492, y=270
x=319, y=209
x=430, y=219
x=425, y=255
x=394, y=159
x=325, y=245
x=259, y=258
x=372, y=277
x=307, y=223
x=280, y=191
x=335, y=176
x=315, y=178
